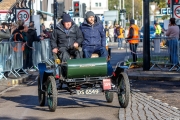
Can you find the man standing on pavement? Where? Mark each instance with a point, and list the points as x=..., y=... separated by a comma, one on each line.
x=66, y=39
x=133, y=38
x=94, y=36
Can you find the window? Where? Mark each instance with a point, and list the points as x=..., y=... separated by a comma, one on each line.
x=96, y=4
x=99, y=4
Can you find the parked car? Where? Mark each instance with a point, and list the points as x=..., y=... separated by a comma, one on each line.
x=152, y=33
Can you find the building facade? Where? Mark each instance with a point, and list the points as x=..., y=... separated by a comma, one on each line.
x=97, y=6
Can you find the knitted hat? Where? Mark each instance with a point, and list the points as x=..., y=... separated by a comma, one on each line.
x=155, y=22
x=89, y=13
x=132, y=21
x=66, y=18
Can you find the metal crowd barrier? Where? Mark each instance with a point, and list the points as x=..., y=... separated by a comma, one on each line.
x=36, y=53
x=5, y=58
x=42, y=52
x=162, y=54
x=11, y=58
x=165, y=52
x=17, y=57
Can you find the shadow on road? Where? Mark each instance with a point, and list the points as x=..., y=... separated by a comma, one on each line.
x=31, y=102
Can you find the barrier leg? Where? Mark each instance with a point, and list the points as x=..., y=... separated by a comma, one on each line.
x=52, y=63
x=17, y=72
x=178, y=68
x=12, y=73
x=152, y=66
x=24, y=71
x=3, y=76
x=174, y=66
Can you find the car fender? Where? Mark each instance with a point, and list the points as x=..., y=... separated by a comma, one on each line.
x=43, y=73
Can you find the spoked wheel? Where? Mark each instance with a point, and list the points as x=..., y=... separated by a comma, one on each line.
x=41, y=94
x=51, y=93
x=109, y=96
x=123, y=90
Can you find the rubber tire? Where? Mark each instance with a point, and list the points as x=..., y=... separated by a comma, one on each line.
x=41, y=95
x=52, y=100
x=124, y=78
x=109, y=96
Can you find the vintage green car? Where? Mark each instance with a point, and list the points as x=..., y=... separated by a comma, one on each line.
x=84, y=76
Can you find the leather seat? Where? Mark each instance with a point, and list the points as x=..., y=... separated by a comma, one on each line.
x=94, y=55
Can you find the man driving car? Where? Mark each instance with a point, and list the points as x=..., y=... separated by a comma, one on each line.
x=66, y=39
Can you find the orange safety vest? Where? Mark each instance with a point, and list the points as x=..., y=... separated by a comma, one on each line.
x=15, y=48
x=121, y=34
x=135, y=38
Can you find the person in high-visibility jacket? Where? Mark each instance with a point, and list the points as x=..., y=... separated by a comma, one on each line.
x=158, y=28
x=120, y=36
x=133, y=38
x=157, y=41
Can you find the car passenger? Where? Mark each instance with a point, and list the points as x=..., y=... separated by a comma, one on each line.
x=94, y=36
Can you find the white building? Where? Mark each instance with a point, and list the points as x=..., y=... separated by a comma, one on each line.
x=97, y=6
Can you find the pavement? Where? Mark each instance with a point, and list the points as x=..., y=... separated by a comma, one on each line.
x=12, y=81
x=139, y=74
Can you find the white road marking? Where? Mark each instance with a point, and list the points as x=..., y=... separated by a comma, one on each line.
x=4, y=91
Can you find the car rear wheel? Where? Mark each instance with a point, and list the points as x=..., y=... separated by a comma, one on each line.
x=109, y=96
x=123, y=90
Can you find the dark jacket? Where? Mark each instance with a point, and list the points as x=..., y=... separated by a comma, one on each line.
x=93, y=35
x=4, y=35
x=131, y=33
x=31, y=36
x=18, y=36
x=60, y=38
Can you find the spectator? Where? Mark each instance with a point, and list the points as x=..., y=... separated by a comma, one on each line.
x=173, y=32
x=18, y=34
x=31, y=34
x=20, y=22
x=158, y=34
x=44, y=31
x=115, y=33
x=14, y=26
x=120, y=36
x=4, y=32
x=31, y=37
x=26, y=50
x=42, y=36
x=51, y=26
x=133, y=39
x=111, y=33
x=107, y=36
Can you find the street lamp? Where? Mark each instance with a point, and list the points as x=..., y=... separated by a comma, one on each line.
x=152, y=9
x=133, y=8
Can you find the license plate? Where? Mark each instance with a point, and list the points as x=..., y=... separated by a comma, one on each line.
x=106, y=84
x=88, y=91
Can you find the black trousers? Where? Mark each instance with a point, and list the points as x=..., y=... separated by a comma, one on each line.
x=133, y=48
x=65, y=54
x=27, y=58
